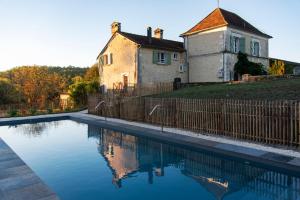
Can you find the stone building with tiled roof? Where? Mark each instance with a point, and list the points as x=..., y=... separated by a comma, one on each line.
x=212, y=46
x=208, y=53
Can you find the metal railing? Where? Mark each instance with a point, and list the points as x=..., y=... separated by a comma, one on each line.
x=98, y=106
x=153, y=110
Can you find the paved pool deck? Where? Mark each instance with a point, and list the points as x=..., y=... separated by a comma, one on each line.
x=18, y=181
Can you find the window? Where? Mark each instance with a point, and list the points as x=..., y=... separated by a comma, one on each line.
x=175, y=56
x=105, y=58
x=236, y=44
x=255, y=46
x=110, y=59
x=181, y=68
x=161, y=58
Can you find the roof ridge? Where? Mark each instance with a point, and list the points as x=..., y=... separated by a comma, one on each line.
x=152, y=37
x=221, y=9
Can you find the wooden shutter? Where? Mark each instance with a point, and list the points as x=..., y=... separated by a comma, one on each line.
x=252, y=48
x=168, y=58
x=231, y=43
x=105, y=60
x=155, y=57
x=101, y=60
x=111, y=58
x=242, y=45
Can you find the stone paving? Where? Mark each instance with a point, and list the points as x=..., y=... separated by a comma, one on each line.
x=18, y=181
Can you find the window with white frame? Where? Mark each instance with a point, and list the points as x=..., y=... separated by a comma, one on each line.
x=255, y=48
x=161, y=58
x=175, y=56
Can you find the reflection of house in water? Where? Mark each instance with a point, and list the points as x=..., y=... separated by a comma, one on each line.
x=127, y=155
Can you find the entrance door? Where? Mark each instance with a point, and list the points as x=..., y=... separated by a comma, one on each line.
x=125, y=82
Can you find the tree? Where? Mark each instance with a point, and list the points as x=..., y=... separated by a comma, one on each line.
x=244, y=66
x=8, y=92
x=78, y=93
x=92, y=74
x=277, y=68
x=37, y=85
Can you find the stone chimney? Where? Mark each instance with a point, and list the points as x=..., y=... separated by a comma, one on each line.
x=115, y=27
x=149, y=34
x=159, y=33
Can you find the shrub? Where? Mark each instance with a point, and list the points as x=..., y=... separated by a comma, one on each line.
x=68, y=109
x=49, y=110
x=244, y=66
x=12, y=113
x=277, y=68
x=33, y=111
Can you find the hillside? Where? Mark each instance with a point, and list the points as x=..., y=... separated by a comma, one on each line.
x=265, y=90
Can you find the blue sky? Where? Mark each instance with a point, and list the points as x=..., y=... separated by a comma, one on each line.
x=72, y=32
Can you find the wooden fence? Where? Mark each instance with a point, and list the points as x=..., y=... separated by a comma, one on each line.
x=270, y=122
x=141, y=89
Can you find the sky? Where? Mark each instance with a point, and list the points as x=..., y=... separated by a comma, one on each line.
x=73, y=32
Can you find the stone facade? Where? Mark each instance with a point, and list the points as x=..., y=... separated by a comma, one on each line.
x=154, y=73
x=210, y=54
x=126, y=58
x=124, y=62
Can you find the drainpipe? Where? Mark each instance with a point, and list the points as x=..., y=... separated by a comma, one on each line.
x=187, y=58
x=224, y=50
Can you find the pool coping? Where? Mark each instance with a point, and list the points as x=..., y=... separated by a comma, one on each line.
x=275, y=161
x=18, y=180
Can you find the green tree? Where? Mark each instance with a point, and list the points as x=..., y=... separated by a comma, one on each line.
x=92, y=74
x=8, y=92
x=244, y=66
x=78, y=93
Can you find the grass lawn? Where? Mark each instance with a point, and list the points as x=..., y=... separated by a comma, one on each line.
x=276, y=89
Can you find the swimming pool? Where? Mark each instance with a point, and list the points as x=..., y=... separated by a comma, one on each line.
x=81, y=161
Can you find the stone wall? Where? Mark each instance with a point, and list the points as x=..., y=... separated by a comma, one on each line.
x=154, y=73
x=124, y=62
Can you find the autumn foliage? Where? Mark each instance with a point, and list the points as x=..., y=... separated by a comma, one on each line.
x=40, y=87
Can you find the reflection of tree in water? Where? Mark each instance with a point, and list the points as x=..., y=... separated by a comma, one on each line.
x=128, y=155
x=36, y=129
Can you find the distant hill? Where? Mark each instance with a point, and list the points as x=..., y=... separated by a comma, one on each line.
x=67, y=72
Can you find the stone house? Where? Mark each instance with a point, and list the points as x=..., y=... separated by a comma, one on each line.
x=208, y=53
x=213, y=44
x=129, y=59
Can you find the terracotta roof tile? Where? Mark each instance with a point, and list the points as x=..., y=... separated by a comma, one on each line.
x=219, y=18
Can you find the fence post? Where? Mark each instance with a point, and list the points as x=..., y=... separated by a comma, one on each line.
x=162, y=114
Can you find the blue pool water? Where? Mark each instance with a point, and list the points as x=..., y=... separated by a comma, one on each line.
x=80, y=161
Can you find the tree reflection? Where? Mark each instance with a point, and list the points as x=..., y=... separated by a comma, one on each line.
x=36, y=129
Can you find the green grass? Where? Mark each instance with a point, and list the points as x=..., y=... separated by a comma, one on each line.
x=265, y=90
